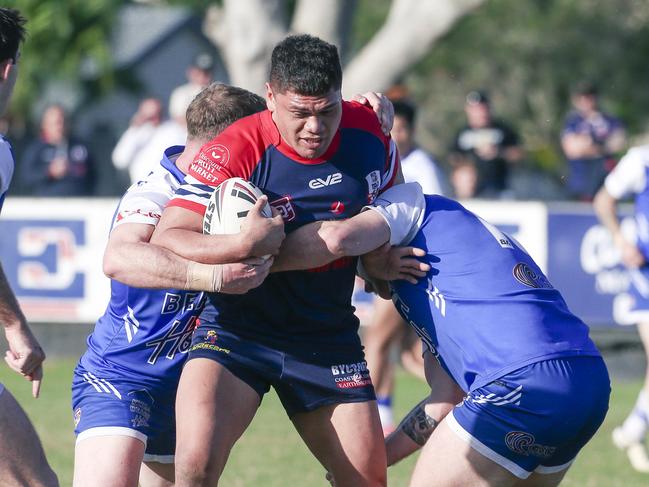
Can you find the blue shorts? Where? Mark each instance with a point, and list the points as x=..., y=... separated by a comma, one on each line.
x=305, y=376
x=109, y=405
x=537, y=418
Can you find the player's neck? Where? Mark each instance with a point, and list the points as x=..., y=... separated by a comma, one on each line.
x=191, y=150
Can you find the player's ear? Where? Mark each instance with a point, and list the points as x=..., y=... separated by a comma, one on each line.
x=5, y=68
x=270, y=98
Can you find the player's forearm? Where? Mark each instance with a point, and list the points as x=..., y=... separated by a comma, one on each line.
x=145, y=265
x=10, y=313
x=411, y=434
x=206, y=249
x=319, y=243
x=605, y=207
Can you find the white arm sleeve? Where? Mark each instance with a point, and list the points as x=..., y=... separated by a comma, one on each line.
x=402, y=207
x=629, y=176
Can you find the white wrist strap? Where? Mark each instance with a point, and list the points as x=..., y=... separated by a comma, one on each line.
x=204, y=277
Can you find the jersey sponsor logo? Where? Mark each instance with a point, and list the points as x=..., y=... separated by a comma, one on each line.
x=178, y=339
x=209, y=343
x=502, y=239
x=140, y=407
x=337, y=207
x=175, y=303
x=330, y=180
x=219, y=154
x=209, y=162
x=284, y=207
x=349, y=376
x=528, y=277
x=373, y=185
x=525, y=444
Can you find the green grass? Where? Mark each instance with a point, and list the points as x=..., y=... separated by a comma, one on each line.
x=271, y=453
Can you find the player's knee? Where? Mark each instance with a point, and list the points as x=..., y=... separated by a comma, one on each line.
x=197, y=467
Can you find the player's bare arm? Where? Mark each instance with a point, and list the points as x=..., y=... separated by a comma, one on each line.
x=132, y=260
x=180, y=231
x=25, y=355
x=605, y=206
x=420, y=423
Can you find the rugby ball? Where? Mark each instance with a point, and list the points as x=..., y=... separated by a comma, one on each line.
x=229, y=205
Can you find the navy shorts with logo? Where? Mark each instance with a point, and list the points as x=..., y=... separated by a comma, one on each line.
x=537, y=418
x=305, y=376
x=107, y=405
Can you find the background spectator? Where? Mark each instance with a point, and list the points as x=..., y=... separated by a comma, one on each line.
x=417, y=164
x=589, y=139
x=490, y=144
x=464, y=179
x=199, y=75
x=57, y=164
x=140, y=131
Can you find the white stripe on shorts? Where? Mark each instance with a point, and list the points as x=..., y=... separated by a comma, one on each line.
x=111, y=431
x=484, y=450
x=543, y=469
x=167, y=459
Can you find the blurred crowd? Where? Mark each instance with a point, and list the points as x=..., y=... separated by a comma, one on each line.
x=485, y=159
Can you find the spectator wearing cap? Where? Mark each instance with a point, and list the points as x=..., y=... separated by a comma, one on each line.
x=489, y=144
x=199, y=75
x=590, y=139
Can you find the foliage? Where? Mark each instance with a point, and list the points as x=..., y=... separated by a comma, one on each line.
x=528, y=55
x=63, y=35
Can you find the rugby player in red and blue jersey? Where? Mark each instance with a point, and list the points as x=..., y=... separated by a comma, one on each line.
x=316, y=157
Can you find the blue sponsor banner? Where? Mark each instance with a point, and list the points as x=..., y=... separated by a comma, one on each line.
x=584, y=265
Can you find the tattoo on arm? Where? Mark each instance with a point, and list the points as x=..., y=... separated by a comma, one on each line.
x=418, y=425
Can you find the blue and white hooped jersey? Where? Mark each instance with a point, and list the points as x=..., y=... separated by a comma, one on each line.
x=7, y=165
x=631, y=177
x=145, y=332
x=485, y=308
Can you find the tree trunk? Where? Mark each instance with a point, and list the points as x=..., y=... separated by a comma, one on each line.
x=330, y=20
x=245, y=32
x=409, y=32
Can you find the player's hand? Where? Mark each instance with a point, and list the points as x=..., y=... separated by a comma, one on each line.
x=394, y=263
x=25, y=355
x=242, y=277
x=631, y=255
x=381, y=105
x=263, y=235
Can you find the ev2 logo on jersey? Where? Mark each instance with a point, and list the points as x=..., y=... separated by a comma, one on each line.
x=330, y=180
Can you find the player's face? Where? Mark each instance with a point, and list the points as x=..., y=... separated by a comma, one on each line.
x=401, y=134
x=307, y=123
x=7, y=84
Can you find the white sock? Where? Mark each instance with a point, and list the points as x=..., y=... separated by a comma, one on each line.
x=387, y=418
x=635, y=426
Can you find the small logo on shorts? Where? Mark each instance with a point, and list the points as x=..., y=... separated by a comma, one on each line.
x=349, y=376
x=211, y=337
x=524, y=444
x=77, y=417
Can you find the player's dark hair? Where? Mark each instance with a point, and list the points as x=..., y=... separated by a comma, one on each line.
x=12, y=33
x=306, y=65
x=405, y=110
x=218, y=106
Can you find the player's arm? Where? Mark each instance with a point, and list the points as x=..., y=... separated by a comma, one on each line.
x=420, y=423
x=25, y=355
x=131, y=259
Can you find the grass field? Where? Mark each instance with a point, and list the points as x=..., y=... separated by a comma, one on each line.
x=271, y=454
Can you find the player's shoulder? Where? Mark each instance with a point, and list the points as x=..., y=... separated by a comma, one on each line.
x=358, y=116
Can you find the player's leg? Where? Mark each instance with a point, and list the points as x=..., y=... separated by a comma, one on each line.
x=213, y=409
x=630, y=436
x=386, y=327
x=156, y=474
x=543, y=480
x=348, y=441
x=412, y=358
x=448, y=460
x=112, y=461
x=22, y=459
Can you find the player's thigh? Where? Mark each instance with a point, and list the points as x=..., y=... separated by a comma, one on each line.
x=109, y=461
x=348, y=440
x=22, y=459
x=386, y=325
x=643, y=330
x=155, y=474
x=543, y=480
x=448, y=460
x=213, y=409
